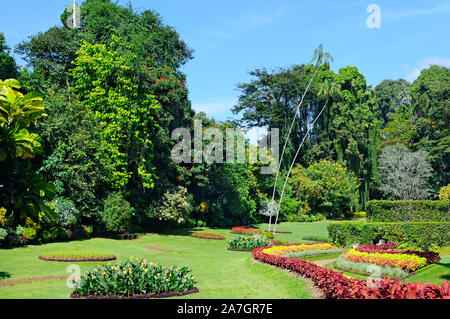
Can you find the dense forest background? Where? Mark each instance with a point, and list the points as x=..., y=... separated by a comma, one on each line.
x=93, y=148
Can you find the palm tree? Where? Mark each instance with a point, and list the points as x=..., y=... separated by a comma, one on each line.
x=319, y=57
x=17, y=112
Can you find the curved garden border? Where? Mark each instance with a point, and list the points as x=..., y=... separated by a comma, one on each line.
x=336, y=286
x=194, y=290
x=206, y=237
x=238, y=249
x=280, y=232
x=78, y=259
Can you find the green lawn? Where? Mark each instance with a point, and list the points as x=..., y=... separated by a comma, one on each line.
x=220, y=273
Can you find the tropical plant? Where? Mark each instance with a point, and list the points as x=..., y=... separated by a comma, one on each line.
x=133, y=277
x=117, y=213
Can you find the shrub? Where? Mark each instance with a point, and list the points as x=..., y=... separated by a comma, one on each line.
x=3, y=234
x=366, y=268
x=444, y=192
x=67, y=213
x=408, y=211
x=117, y=213
x=175, y=206
x=29, y=233
x=249, y=243
x=306, y=218
x=326, y=188
x=132, y=278
x=423, y=235
x=268, y=235
x=359, y=215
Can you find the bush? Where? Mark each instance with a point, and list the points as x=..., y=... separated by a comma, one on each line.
x=3, y=234
x=326, y=188
x=423, y=235
x=29, y=233
x=250, y=242
x=116, y=214
x=268, y=235
x=408, y=211
x=444, y=192
x=174, y=207
x=359, y=215
x=306, y=218
x=134, y=277
x=67, y=213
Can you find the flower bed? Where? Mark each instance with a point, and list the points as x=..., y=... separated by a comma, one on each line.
x=336, y=286
x=431, y=256
x=135, y=278
x=248, y=243
x=292, y=248
x=404, y=261
x=245, y=230
x=77, y=257
x=370, y=269
x=207, y=236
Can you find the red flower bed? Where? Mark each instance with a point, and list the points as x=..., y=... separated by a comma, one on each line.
x=245, y=230
x=431, y=256
x=336, y=286
x=207, y=236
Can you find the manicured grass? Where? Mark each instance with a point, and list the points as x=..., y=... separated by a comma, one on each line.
x=220, y=273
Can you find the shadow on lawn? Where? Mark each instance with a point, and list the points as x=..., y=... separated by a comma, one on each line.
x=447, y=276
x=4, y=275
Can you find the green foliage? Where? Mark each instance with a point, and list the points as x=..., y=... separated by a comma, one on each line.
x=424, y=235
x=8, y=67
x=29, y=233
x=175, y=207
x=430, y=100
x=268, y=235
x=365, y=269
x=311, y=253
x=3, y=234
x=444, y=192
x=408, y=211
x=117, y=213
x=250, y=242
x=68, y=214
x=134, y=277
x=326, y=188
x=103, y=83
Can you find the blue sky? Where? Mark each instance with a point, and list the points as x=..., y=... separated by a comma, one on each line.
x=233, y=37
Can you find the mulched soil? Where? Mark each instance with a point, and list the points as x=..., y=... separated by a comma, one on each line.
x=156, y=247
x=238, y=249
x=13, y=282
x=146, y=296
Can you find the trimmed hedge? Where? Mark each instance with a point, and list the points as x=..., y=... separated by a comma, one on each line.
x=408, y=211
x=422, y=235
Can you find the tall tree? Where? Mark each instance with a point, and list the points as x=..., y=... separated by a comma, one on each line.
x=8, y=67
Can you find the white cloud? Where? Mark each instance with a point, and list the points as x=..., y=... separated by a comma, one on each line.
x=425, y=64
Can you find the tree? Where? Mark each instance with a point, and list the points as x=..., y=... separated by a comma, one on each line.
x=22, y=192
x=8, y=67
x=392, y=97
x=404, y=174
x=430, y=99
